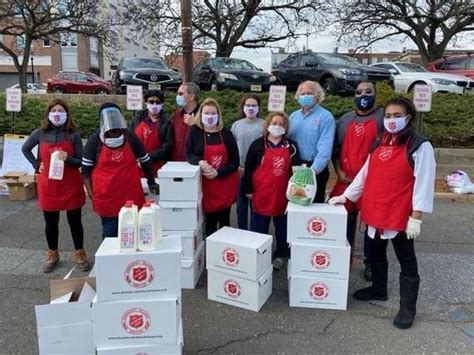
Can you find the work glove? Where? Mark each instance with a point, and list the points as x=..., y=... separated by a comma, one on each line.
x=338, y=200
x=154, y=188
x=413, y=228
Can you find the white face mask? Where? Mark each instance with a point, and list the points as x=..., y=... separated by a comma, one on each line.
x=154, y=108
x=57, y=118
x=250, y=111
x=114, y=142
x=276, y=131
x=395, y=124
x=209, y=119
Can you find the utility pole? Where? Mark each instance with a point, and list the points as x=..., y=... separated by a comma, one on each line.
x=187, y=39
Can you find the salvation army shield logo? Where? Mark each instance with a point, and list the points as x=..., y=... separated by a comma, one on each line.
x=318, y=291
x=136, y=321
x=232, y=288
x=316, y=226
x=230, y=257
x=216, y=161
x=139, y=274
x=385, y=153
x=278, y=166
x=320, y=259
x=117, y=156
x=359, y=129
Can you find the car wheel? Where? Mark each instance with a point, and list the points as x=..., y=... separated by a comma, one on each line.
x=214, y=86
x=329, y=85
x=412, y=86
x=101, y=92
x=58, y=90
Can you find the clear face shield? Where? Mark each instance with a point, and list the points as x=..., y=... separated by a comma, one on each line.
x=111, y=118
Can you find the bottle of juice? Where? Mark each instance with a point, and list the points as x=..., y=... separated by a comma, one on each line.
x=147, y=228
x=128, y=228
x=159, y=228
x=56, y=166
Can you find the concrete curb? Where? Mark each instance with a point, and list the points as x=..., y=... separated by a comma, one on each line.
x=454, y=197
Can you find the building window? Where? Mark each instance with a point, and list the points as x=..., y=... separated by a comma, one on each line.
x=46, y=42
x=375, y=59
x=365, y=61
x=20, y=41
x=385, y=59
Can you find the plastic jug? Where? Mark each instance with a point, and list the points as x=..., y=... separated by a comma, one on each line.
x=128, y=228
x=159, y=228
x=56, y=166
x=147, y=228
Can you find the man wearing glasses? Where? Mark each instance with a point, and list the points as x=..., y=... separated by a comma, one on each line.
x=356, y=131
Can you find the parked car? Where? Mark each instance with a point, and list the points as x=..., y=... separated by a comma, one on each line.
x=456, y=64
x=151, y=73
x=335, y=72
x=407, y=75
x=77, y=82
x=32, y=88
x=231, y=73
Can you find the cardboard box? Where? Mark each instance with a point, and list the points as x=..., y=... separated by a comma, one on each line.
x=317, y=292
x=320, y=261
x=238, y=252
x=190, y=242
x=180, y=215
x=319, y=223
x=65, y=324
x=136, y=322
x=192, y=269
x=143, y=275
x=180, y=181
x=21, y=188
x=239, y=292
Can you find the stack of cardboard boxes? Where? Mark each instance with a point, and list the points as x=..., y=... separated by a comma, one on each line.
x=318, y=270
x=181, y=213
x=20, y=186
x=239, y=268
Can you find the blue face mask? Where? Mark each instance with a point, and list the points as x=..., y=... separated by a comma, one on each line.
x=306, y=100
x=365, y=102
x=180, y=101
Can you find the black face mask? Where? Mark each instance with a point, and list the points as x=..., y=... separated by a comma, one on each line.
x=365, y=102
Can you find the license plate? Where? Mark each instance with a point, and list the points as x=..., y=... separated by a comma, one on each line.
x=255, y=87
x=154, y=86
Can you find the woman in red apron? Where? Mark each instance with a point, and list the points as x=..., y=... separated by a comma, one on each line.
x=110, y=170
x=154, y=130
x=57, y=133
x=395, y=185
x=267, y=171
x=213, y=148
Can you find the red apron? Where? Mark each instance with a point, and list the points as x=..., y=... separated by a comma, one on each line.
x=115, y=180
x=59, y=195
x=358, y=139
x=218, y=193
x=270, y=181
x=388, y=188
x=148, y=135
x=180, y=130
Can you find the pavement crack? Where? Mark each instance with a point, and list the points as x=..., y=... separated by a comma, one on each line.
x=329, y=324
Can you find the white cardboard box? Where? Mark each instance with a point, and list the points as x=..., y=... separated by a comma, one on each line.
x=192, y=269
x=66, y=328
x=320, y=260
x=319, y=223
x=239, y=292
x=137, y=322
x=143, y=275
x=239, y=252
x=190, y=242
x=180, y=215
x=317, y=292
x=180, y=181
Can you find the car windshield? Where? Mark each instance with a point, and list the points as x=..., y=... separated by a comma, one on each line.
x=411, y=68
x=133, y=63
x=94, y=76
x=230, y=63
x=337, y=59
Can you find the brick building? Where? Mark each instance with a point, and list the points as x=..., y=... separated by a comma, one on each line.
x=175, y=61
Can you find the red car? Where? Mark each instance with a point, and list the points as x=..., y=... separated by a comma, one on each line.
x=77, y=82
x=456, y=64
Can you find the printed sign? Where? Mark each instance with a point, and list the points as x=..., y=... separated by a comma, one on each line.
x=13, y=100
x=422, y=96
x=134, y=97
x=276, y=98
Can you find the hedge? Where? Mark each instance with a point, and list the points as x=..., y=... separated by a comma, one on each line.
x=449, y=124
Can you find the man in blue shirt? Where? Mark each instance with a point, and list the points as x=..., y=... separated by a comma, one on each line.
x=313, y=128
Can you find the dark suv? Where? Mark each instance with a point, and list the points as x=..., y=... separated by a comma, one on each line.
x=151, y=73
x=231, y=73
x=335, y=72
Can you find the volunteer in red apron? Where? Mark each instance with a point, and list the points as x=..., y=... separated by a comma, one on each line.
x=267, y=171
x=213, y=148
x=154, y=130
x=395, y=185
x=110, y=170
x=57, y=132
x=356, y=131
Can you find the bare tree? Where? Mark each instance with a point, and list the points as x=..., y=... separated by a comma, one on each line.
x=32, y=20
x=430, y=24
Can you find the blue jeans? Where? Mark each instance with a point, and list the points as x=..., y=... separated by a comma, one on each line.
x=243, y=204
x=109, y=227
x=351, y=233
x=260, y=224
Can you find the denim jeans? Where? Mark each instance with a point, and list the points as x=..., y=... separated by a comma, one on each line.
x=109, y=227
x=351, y=233
x=260, y=224
x=243, y=204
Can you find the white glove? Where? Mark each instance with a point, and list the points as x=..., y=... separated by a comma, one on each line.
x=338, y=200
x=413, y=228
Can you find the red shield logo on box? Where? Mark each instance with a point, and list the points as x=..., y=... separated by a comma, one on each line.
x=318, y=291
x=385, y=153
x=232, y=288
x=136, y=321
x=316, y=226
x=320, y=259
x=230, y=257
x=139, y=274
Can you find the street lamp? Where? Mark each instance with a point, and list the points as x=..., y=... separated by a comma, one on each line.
x=32, y=70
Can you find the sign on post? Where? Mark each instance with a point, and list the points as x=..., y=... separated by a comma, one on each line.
x=276, y=98
x=13, y=100
x=134, y=97
x=422, y=98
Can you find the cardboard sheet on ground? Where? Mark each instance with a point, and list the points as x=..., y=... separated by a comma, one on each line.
x=13, y=158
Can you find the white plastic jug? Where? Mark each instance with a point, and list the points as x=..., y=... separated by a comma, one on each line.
x=159, y=228
x=128, y=228
x=56, y=166
x=147, y=228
